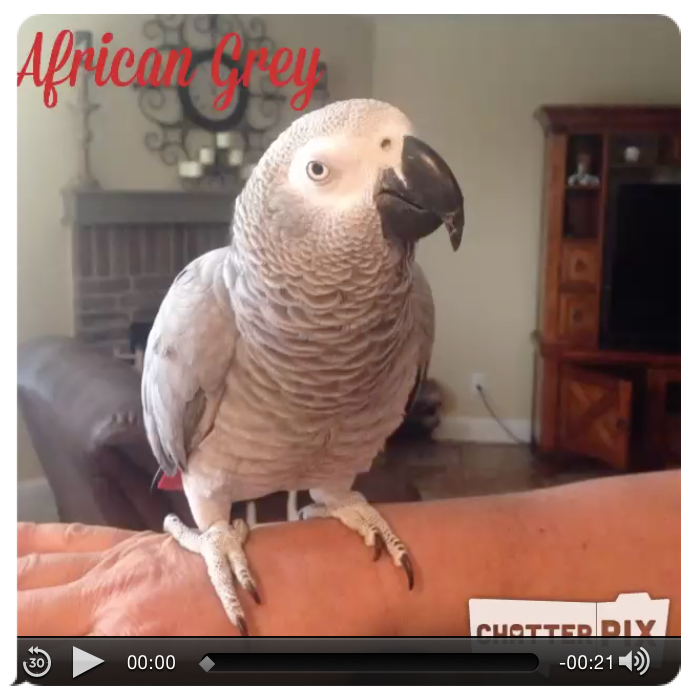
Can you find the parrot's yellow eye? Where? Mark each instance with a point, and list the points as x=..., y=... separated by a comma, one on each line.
x=317, y=171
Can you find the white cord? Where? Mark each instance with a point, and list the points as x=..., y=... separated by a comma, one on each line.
x=292, y=512
x=506, y=429
x=251, y=516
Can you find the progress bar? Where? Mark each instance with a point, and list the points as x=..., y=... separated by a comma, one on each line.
x=376, y=662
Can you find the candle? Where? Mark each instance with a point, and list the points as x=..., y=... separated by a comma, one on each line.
x=206, y=155
x=190, y=170
x=235, y=158
x=223, y=140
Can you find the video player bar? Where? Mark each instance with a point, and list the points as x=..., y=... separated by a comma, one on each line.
x=272, y=661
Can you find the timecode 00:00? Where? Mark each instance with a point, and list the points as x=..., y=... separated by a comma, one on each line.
x=143, y=662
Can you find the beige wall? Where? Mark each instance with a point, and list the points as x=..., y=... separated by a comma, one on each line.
x=471, y=85
x=47, y=152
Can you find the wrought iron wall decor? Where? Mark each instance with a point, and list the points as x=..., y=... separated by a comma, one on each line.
x=210, y=146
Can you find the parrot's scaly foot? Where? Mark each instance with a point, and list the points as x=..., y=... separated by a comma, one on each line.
x=221, y=547
x=355, y=512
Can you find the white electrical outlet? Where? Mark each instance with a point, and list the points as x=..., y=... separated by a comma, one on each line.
x=478, y=380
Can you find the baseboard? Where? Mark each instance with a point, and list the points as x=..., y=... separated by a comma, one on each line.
x=35, y=501
x=487, y=430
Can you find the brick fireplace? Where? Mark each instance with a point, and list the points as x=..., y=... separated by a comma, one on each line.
x=127, y=249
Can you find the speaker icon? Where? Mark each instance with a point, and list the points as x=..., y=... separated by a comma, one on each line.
x=640, y=660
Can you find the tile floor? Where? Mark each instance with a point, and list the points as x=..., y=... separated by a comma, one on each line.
x=459, y=469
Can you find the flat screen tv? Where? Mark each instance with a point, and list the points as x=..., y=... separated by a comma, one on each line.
x=641, y=299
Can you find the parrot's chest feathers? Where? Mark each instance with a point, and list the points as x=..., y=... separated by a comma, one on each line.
x=323, y=339
x=317, y=385
x=329, y=363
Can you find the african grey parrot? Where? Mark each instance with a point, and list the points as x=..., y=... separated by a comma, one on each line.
x=285, y=360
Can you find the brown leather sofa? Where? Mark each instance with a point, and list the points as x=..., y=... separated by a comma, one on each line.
x=82, y=410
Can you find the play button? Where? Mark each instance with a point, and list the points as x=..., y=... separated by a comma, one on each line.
x=83, y=661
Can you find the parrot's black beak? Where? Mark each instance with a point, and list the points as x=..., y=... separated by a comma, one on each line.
x=426, y=196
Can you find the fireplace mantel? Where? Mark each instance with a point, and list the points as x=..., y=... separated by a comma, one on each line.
x=101, y=207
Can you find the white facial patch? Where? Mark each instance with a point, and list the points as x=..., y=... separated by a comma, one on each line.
x=353, y=163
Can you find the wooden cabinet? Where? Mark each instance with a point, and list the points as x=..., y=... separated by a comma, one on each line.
x=595, y=415
x=578, y=318
x=580, y=267
x=610, y=405
x=664, y=415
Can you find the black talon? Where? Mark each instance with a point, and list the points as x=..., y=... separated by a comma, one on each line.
x=378, y=546
x=253, y=592
x=242, y=627
x=408, y=567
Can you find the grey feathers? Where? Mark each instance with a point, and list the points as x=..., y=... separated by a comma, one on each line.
x=188, y=353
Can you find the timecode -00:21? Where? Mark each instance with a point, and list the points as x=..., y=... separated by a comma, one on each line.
x=585, y=662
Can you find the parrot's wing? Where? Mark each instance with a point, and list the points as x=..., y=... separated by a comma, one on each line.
x=189, y=351
x=424, y=326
